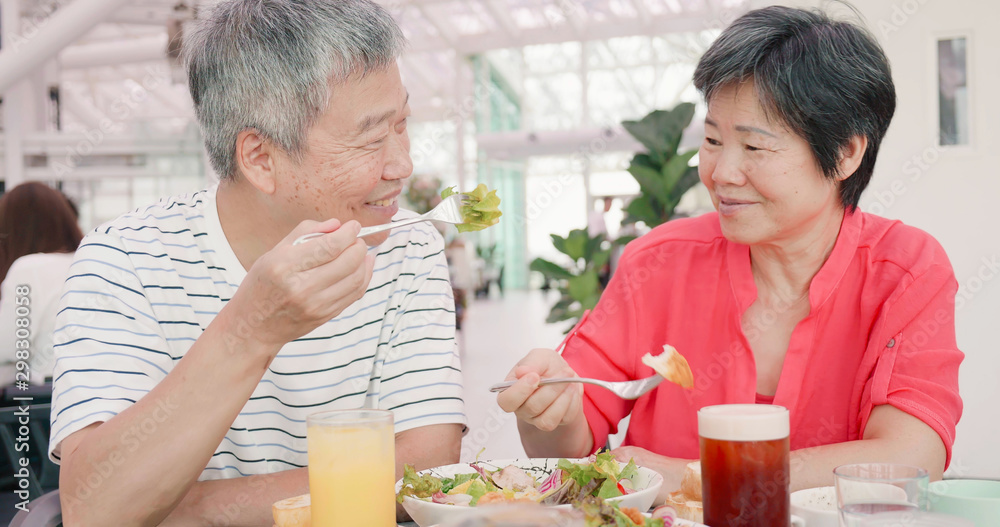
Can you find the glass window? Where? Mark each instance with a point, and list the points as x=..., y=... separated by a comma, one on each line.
x=953, y=92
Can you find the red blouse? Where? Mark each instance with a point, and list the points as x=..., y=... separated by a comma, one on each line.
x=880, y=330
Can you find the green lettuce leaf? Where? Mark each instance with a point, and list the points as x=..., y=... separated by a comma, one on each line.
x=478, y=488
x=581, y=473
x=606, y=464
x=630, y=471
x=417, y=486
x=600, y=513
x=449, y=483
x=605, y=471
x=609, y=489
x=483, y=212
x=622, y=520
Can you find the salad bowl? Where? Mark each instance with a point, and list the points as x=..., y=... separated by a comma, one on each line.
x=645, y=486
x=522, y=516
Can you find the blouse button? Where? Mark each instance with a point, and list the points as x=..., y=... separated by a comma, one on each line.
x=891, y=343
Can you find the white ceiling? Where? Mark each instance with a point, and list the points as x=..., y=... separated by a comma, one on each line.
x=130, y=49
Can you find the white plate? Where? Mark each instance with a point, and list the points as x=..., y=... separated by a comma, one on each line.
x=817, y=506
x=677, y=523
x=426, y=514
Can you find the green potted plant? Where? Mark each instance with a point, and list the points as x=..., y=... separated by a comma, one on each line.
x=662, y=172
x=664, y=177
x=578, y=284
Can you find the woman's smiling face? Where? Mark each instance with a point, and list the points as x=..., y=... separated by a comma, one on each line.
x=763, y=178
x=356, y=155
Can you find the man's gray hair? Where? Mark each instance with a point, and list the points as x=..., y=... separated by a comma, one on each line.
x=269, y=65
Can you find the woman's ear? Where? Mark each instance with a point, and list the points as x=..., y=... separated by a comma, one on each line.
x=851, y=155
x=255, y=158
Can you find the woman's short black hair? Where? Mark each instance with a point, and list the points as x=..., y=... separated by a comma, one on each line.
x=827, y=80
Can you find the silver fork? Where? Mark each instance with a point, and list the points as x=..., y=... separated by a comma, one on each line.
x=448, y=211
x=625, y=390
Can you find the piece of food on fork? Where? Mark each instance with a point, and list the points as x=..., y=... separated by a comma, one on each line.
x=671, y=365
x=480, y=209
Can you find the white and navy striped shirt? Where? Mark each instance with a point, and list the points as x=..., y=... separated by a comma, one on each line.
x=144, y=286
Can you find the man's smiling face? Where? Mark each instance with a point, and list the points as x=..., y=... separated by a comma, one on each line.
x=356, y=155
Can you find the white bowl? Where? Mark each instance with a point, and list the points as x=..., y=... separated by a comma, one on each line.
x=426, y=514
x=818, y=506
x=531, y=517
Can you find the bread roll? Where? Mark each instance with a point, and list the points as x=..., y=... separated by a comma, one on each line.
x=292, y=512
x=687, y=501
x=691, y=484
x=686, y=509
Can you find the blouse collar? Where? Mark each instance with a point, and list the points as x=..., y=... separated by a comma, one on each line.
x=822, y=285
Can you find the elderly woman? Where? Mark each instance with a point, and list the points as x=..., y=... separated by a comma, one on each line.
x=788, y=294
x=195, y=337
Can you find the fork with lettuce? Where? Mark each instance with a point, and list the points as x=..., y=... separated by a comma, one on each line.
x=483, y=209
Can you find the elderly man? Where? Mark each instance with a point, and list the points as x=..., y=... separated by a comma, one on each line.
x=194, y=338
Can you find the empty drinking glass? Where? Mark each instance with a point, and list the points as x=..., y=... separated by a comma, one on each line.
x=865, y=489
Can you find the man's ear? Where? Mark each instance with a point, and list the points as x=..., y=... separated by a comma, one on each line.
x=255, y=158
x=851, y=155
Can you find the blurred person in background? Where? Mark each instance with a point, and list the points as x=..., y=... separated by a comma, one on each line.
x=38, y=235
x=597, y=225
x=597, y=222
x=462, y=269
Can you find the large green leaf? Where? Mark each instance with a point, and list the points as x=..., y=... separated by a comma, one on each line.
x=646, y=132
x=559, y=243
x=660, y=131
x=584, y=286
x=594, y=245
x=560, y=311
x=650, y=180
x=687, y=181
x=600, y=258
x=642, y=209
x=552, y=271
x=674, y=170
x=576, y=244
x=645, y=160
x=681, y=118
x=591, y=302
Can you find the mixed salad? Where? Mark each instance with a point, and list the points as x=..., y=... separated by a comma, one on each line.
x=600, y=513
x=585, y=486
x=483, y=212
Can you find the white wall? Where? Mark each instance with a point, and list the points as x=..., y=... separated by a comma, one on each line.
x=952, y=194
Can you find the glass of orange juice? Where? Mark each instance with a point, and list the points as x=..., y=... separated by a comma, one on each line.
x=352, y=468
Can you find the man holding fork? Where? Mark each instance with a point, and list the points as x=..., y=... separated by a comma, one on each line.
x=194, y=338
